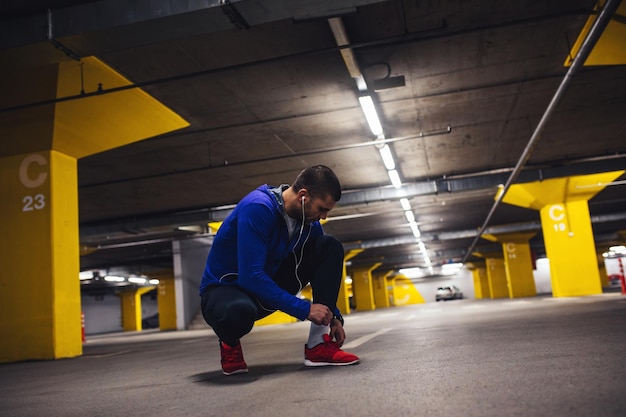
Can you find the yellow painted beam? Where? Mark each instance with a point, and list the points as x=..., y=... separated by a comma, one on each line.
x=610, y=49
x=39, y=249
x=563, y=207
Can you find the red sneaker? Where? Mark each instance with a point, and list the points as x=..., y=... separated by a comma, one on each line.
x=232, y=359
x=328, y=354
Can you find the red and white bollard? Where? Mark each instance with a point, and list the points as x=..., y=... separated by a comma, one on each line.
x=621, y=275
x=82, y=326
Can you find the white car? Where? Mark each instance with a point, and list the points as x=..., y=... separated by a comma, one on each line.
x=449, y=292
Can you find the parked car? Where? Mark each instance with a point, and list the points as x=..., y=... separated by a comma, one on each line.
x=449, y=292
x=615, y=281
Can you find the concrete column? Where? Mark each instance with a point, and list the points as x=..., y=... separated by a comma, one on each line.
x=481, y=281
x=166, y=298
x=39, y=249
x=345, y=291
x=362, y=287
x=131, y=308
x=566, y=224
x=517, y=263
x=381, y=289
x=189, y=261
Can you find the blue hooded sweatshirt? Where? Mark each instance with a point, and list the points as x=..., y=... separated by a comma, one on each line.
x=250, y=246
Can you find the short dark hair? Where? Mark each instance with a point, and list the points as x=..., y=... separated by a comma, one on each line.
x=319, y=180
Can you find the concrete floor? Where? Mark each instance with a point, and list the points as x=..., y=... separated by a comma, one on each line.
x=527, y=357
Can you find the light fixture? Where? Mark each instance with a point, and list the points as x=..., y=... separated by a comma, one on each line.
x=405, y=203
x=415, y=229
x=385, y=153
x=394, y=178
x=154, y=282
x=137, y=280
x=367, y=105
x=410, y=217
x=415, y=272
x=114, y=278
x=85, y=275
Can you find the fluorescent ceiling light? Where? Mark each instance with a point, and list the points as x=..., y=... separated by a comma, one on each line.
x=411, y=272
x=154, y=282
x=114, y=278
x=395, y=178
x=385, y=153
x=422, y=247
x=85, y=275
x=405, y=203
x=415, y=229
x=370, y=115
x=410, y=216
x=136, y=280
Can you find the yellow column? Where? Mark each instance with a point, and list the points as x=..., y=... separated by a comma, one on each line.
x=39, y=249
x=496, y=275
x=40, y=293
x=166, y=299
x=381, y=289
x=566, y=224
x=131, y=308
x=517, y=263
x=481, y=281
x=345, y=291
x=362, y=287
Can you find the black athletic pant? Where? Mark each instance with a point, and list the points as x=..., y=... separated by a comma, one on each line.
x=231, y=312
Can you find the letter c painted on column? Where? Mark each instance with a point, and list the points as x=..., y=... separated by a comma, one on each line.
x=23, y=172
x=557, y=216
x=510, y=247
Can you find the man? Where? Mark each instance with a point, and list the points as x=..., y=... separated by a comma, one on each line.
x=265, y=252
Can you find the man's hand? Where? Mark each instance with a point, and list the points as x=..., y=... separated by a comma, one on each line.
x=337, y=332
x=320, y=314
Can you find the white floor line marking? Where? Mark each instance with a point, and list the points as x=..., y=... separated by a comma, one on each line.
x=363, y=339
x=409, y=317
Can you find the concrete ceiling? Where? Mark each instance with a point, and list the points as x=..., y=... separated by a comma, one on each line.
x=267, y=93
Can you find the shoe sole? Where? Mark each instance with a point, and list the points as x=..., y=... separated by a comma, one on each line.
x=310, y=363
x=238, y=371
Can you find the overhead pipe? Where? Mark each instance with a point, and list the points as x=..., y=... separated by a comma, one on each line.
x=592, y=37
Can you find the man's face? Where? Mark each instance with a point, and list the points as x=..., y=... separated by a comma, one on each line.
x=317, y=208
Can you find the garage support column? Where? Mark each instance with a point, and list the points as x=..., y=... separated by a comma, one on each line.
x=40, y=313
x=345, y=291
x=566, y=224
x=363, y=288
x=131, y=308
x=166, y=299
x=496, y=275
x=481, y=281
x=381, y=289
x=517, y=263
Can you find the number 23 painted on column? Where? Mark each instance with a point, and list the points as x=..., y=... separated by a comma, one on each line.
x=37, y=201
